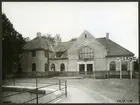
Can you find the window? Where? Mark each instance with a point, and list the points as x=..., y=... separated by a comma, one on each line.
x=46, y=66
x=33, y=53
x=53, y=67
x=62, y=67
x=86, y=53
x=59, y=54
x=112, y=66
x=33, y=67
x=124, y=66
x=85, y=36
x=45, y=53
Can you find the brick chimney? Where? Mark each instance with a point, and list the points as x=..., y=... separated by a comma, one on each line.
x=38, y=34
x=107, y=35
x=57, y=39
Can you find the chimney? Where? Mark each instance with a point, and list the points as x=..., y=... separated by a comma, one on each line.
x=57, y=39
x=38, y=34
x=107, y=35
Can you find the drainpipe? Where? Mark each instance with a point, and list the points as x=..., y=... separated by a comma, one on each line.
x=48, y=60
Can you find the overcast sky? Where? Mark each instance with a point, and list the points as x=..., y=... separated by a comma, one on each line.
x=70, y=19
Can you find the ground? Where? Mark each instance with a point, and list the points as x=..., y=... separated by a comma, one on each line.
x=93, y=90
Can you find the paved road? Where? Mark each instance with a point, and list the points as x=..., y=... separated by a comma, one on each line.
x=100, y=91
x=80, y=94
x=95, y=91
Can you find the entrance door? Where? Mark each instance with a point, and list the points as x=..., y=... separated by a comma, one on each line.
x=89, y=68
x=81, y=68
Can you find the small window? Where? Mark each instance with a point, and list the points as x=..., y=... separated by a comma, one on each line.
x=53, y=67
x=85, y=36
x=33, y=67
x=62, y=67
x=33, y=53
x=46, y=66
x=45, y=53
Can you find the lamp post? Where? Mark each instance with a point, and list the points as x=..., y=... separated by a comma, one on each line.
x=120, y=70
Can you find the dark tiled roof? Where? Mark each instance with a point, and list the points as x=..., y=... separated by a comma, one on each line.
x=114, y=49
x=63, y=46
x=38, y=43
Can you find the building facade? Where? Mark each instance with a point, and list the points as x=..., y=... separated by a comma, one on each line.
x=80, y=56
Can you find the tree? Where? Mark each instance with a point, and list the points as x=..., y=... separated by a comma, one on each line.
x=49, y=38
x=136, y=65
x=12, y=44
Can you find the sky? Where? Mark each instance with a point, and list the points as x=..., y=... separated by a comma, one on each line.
x=70, y=19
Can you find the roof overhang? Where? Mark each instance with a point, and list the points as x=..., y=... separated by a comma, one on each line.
x=120, y=55
x=58, y=58
x=37, y=49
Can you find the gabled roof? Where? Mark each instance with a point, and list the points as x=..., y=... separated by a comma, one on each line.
x=113, y=48
x=63, y=47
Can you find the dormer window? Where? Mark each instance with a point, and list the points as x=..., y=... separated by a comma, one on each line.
x=59, y=54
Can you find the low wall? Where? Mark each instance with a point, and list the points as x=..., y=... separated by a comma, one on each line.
x=95, y=74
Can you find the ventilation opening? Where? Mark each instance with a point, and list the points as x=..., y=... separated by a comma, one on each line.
x=85, y=36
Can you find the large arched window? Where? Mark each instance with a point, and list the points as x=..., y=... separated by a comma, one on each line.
x=124, y=66
x=112, y=66
x=53, y=67
x=86, y=53
x=46, y=66
x=33, y=67
x=62, y=67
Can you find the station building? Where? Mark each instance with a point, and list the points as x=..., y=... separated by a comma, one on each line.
x=80, y=56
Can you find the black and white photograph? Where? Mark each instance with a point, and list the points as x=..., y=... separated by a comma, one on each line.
x=70, y=52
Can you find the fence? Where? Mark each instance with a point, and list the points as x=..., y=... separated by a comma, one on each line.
x=60, y=88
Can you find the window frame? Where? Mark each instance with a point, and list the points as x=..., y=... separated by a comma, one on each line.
x=124, y=64
x=53, y=66
x=114, y=64
x=46, y=67
x=62, y=67
x=86, y=53
x=33, y=67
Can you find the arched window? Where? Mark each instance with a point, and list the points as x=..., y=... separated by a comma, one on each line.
x=53, y=67
x=112, y=66
x=33, y=67
x=124, y=66
x=62, y=67
x=86, y=53
x=46, y=66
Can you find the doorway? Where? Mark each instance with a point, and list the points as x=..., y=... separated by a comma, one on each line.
x=82, y=68
x=89, y=68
